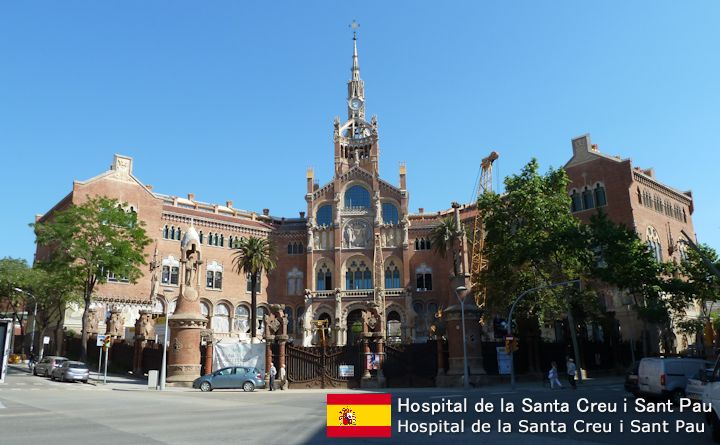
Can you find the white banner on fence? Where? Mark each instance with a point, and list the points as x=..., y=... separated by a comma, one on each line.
x=239, y=354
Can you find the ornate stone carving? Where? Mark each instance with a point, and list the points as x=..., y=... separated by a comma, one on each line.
x=115, y=324
x=357, y=234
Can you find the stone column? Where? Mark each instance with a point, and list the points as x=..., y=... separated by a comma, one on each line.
x=440, y=356
x=473, y=339
x=282, y=341
x=366, y=352
x=209, y=350
x=268, y=358
x=187, y=322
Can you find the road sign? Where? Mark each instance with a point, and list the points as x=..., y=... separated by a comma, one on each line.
x=100, y=340
x=46, y=340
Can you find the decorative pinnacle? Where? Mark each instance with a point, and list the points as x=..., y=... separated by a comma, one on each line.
x=355, y=65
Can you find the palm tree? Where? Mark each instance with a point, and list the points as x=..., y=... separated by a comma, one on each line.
x=443, y=238
x=252, y=256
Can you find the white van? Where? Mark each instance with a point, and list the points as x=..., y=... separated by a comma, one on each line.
x=667, y=376
x=711, y=395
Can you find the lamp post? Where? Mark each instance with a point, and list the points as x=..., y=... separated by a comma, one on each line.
x=512, y=309
x=163, y=369
x=32, y=334
x=466, y=374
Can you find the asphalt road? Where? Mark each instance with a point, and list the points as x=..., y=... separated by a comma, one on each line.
x=36, y=410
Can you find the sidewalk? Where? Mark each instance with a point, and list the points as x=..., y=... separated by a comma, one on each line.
x=129, y=382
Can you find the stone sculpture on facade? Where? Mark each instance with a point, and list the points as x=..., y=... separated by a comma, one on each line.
x=187, y=322
x=115, y=326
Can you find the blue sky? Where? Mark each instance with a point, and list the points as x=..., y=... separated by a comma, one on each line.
x=247, y=91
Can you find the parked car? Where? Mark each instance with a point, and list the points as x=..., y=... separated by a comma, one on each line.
x=631, y=379
x=667, y=376
x=231, y=377
x=47, y=364
x=711, y=396
x=696, y=384
x=71, y=371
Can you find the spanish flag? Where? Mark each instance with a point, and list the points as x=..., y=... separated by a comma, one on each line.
x=359, y=415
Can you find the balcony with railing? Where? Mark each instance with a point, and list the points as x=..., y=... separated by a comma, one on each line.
x=355, y=293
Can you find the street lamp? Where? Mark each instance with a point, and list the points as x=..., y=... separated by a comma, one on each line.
x=163, y=371
x=466, y=374
x=509, y=328
x=32, y=334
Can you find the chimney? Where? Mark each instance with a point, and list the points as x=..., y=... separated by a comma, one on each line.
x=403, y=173
x=191, y=196
x=650, y=172
x=229, y=204
x=266, y=212
x=149, y=187
x=421, y=210
x=302, y=215
x=310, y=180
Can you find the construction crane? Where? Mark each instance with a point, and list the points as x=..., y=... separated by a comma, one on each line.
x=478, y=262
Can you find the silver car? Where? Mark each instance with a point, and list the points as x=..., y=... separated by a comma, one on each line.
x=232, y=377
x=47, y=364
x=71, y=371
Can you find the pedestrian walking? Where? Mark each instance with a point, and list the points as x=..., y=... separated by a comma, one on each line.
x=283, y=377
x=273, y=373
x=571, y=369
x=553, y=377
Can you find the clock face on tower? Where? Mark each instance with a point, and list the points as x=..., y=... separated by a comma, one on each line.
x=355, y=103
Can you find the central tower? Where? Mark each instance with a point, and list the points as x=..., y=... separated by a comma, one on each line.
x=356, y=140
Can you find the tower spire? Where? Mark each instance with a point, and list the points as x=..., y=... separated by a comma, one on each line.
x=356, y=87
x=355, y=63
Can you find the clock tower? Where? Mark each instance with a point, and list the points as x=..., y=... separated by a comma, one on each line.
x=356, y=140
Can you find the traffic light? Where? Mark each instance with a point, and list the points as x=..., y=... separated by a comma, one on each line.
x=511, y=344
x=514, y=344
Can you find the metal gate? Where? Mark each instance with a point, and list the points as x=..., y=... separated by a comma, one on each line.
x=319, y=367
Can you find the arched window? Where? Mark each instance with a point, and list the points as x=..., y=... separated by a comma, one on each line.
x=295, y=282
x=422, y=244
x=600, y=197
x=423, y=278
x=166, y=232
x=389, y=213
x=261, y=313
x=290, y=249
x=682, y=248
x=357, y=196
x=221, y=318
x=324, y=215
x=204, y=309
x=358, y=275
x=202, y=237
x=653, y=240
x=222, y=240
x=300, y=322
x=295, y=248
x=172, y=232
x=214, y=275
x=170, y=270
x=392, y=276
x=394, y=327
x=575, y=201
x=177, y=234
x=588, y=201
x=242, y=319
x=324, y=278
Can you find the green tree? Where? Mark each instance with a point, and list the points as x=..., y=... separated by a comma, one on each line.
x=533, y=240
x=445, y=237
x=88, y=241
x=15, y=273
x=253, y=255
x=694, y=284
x=622, y=259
